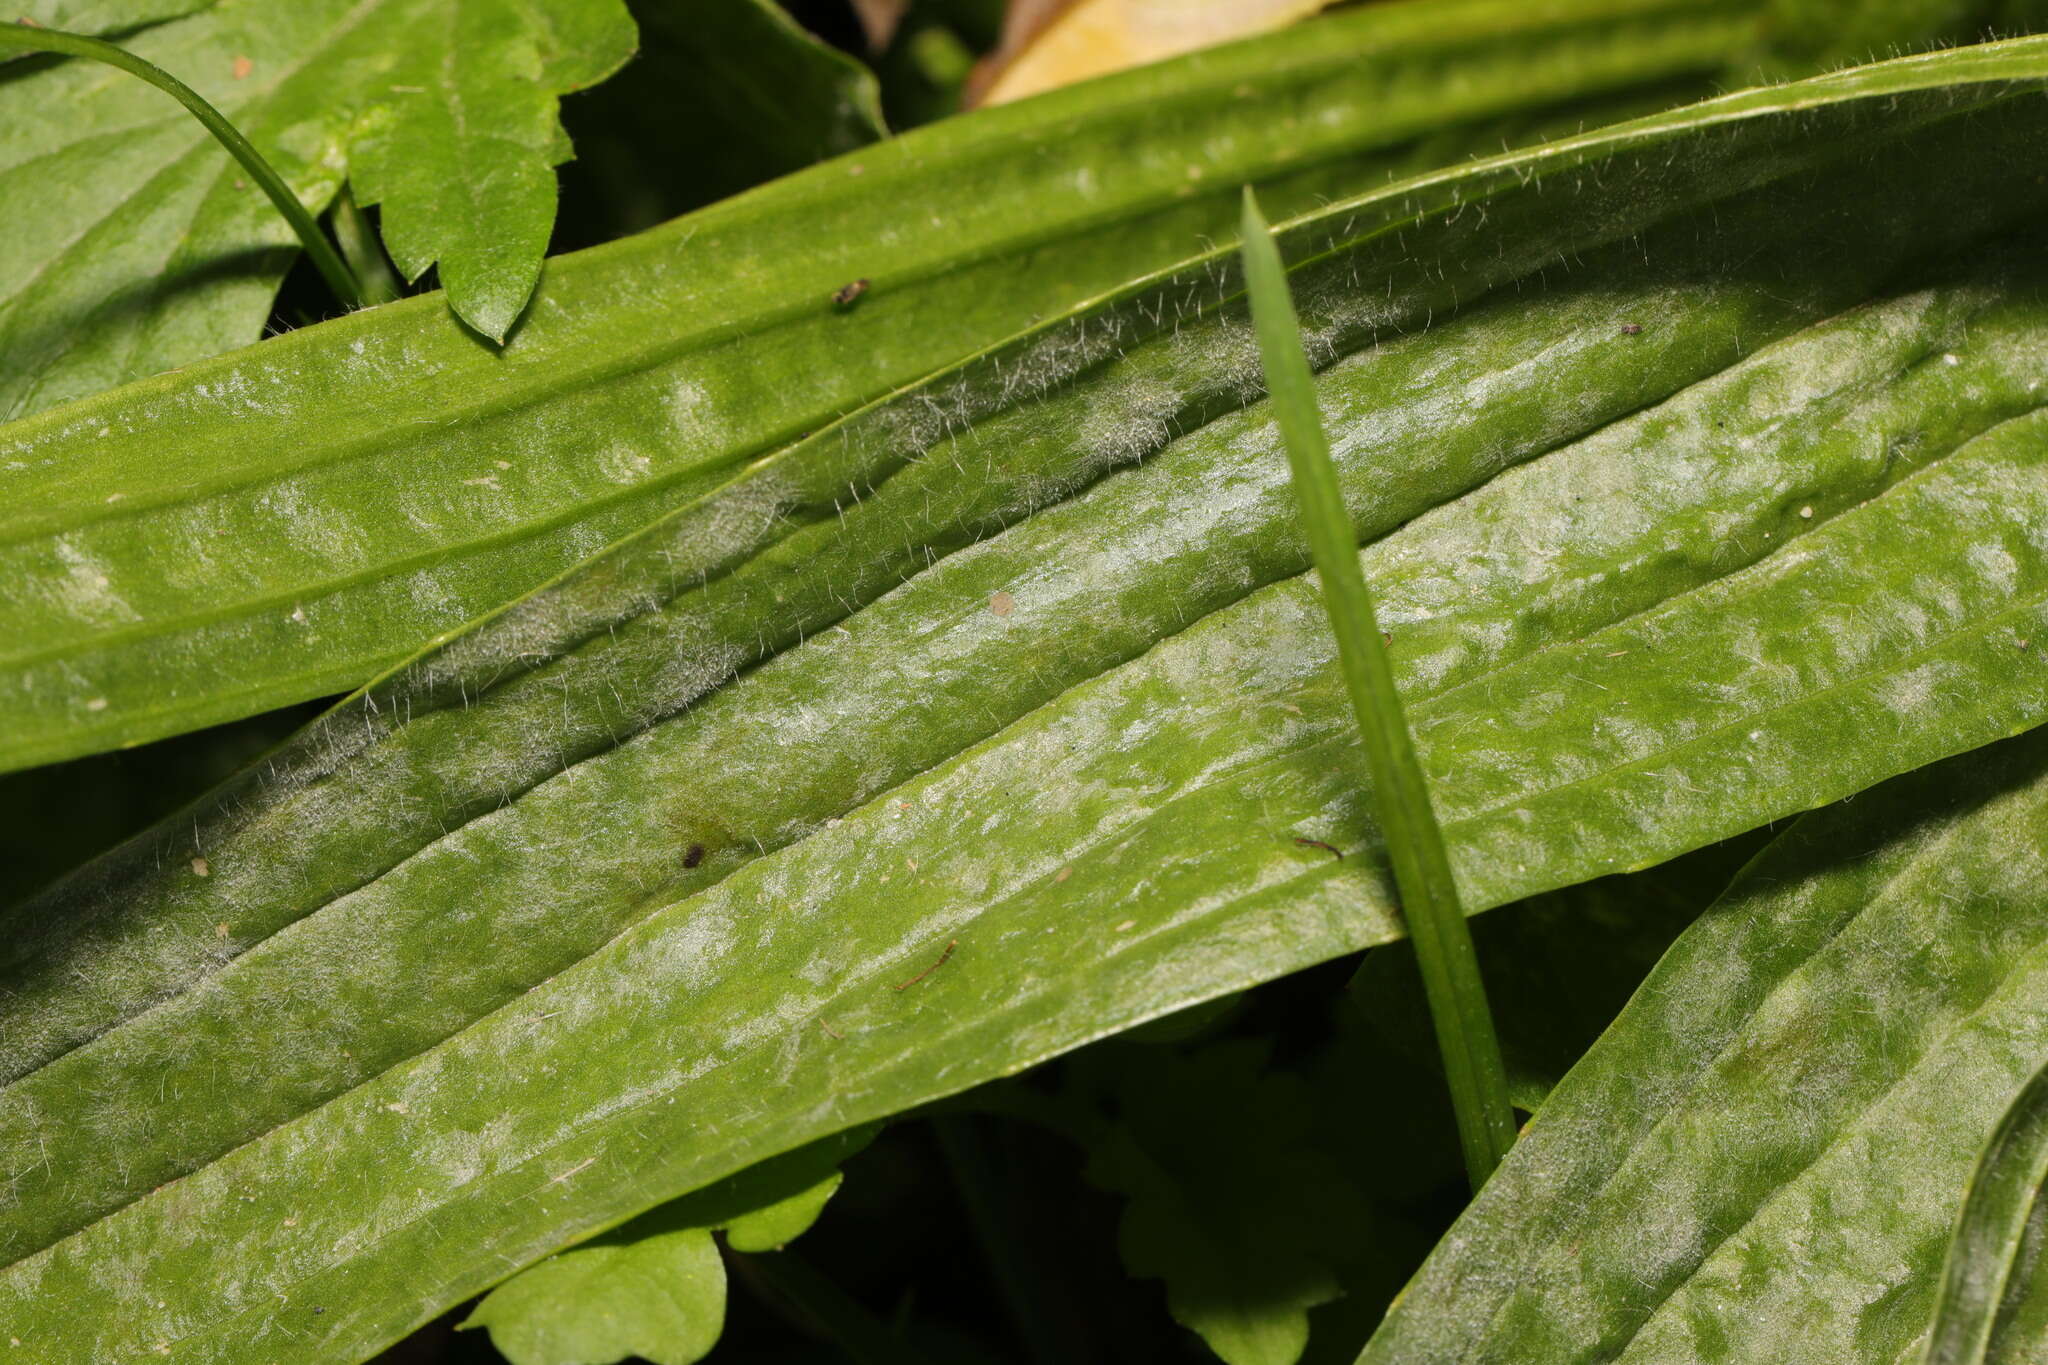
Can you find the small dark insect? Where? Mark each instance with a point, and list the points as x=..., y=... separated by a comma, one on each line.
x=1631, y=329
x=694, y=855
x=845, y=294
x=934, y=967
x=1330, y=849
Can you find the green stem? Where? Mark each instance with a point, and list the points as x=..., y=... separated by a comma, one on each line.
x=339, y=277
x=359, y=248
x=1422, y=869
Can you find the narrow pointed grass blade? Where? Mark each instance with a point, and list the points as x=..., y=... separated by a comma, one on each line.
x=1415, y=845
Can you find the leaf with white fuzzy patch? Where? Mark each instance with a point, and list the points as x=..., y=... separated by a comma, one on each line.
x=988, y=720
x=1763, y=1158
x=288, y=521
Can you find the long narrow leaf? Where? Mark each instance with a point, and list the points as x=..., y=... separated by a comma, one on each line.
x=1976, y=1279
x=1761, y=1162
x=290, y=520
x=1415, y=845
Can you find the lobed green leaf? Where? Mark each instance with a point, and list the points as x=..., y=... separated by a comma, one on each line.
x=136, y=245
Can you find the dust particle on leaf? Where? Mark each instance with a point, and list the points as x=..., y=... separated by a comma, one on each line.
x=201, y=868
x=1631, y=329
x=1002, y=604
x=243, y=66
x=693, y=855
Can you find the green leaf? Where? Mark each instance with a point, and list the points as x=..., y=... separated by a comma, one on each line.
x=1766, y=1153
x=1558, y=966
x=889, y=766
x=463, y=163
x=1232, y=1202
x=656, y=1286
x=1415, y=845
x=724, y=95
x=1992, y=1232
x=339, y=276
x=336, y=498
x=135, y=245
x=660, y=1296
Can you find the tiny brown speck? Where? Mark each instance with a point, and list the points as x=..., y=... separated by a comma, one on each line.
x=845, y=294
x=200, y=867
x=1631, y=329
x=243, y=66
x=1002, y=604
x=221, y=931
x=694, y=855
x=1063, y=874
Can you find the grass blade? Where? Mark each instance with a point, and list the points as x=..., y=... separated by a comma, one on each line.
x=342, y=280
x=1422, y=871
x=1990, y=1230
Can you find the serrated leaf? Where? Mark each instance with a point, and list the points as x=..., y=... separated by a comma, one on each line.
x=136, y=245
x=655, y=1287
x=803, y=807
x=338, y=497
x=1762, y=1159
x=464, y=170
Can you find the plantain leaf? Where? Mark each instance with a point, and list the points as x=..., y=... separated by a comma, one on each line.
x=1992, y=1235
x=1762, y=1159
x=285, y=522
x=987, y=721
x=1558, y=966
x=135, y=244
x=655, y=1288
